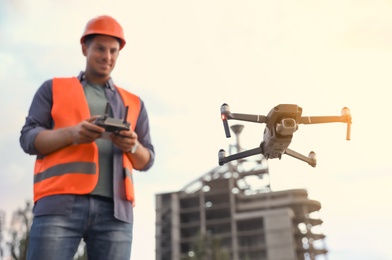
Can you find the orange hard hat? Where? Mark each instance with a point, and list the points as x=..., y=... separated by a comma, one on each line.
x=105, y=25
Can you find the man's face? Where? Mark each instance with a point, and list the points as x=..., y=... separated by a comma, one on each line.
x=101, y=54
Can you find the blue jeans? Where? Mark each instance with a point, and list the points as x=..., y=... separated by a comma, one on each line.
x=58, y=236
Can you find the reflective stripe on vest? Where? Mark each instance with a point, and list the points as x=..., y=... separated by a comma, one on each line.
x=74, y=169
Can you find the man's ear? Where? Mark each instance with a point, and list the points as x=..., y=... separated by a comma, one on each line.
x=84, y=49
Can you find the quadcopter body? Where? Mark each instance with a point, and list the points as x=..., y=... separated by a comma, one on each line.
x=281, y=123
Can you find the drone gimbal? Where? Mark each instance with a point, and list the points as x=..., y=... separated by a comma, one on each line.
x=281, y=123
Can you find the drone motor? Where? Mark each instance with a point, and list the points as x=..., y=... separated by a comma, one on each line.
x=221, y=156
x=312, y=159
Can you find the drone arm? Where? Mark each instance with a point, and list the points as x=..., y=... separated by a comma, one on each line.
x=344, y=118
x=311, y=159
x=323, y=119
x=227, y=115
x=249, y=118
x=226, y=126
x=223, y=159
x=243, y=117
x=329, y=119
x=348, y=133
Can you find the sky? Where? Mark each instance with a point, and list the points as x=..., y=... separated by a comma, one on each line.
x=186, y=58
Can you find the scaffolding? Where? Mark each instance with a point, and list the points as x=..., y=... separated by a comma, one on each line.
x=234, y=205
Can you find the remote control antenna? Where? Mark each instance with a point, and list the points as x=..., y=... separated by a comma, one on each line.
x=126, y=114
x=107, y=110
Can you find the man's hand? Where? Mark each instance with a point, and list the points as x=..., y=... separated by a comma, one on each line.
x=125, y=140
x=86, y=131
x=51, y=140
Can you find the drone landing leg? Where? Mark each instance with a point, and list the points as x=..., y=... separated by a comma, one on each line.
x=311, y=160
x=223, y=159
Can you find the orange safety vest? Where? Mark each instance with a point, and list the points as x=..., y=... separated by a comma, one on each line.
x=74, y=169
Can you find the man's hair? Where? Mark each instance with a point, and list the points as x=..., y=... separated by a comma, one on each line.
x=89, y=38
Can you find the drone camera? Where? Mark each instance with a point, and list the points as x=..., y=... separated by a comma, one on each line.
x=286, y=127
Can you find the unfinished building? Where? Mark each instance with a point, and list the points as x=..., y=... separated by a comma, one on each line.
x=232, y=211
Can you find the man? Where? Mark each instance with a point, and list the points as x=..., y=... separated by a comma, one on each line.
x=83, y=185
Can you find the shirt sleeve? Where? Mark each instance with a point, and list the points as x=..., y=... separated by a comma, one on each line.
x=39, y=117
x=143, y=132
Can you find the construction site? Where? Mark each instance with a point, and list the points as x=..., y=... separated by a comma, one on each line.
x=232, y=213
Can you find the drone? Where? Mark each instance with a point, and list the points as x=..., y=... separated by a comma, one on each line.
x=281, y=123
